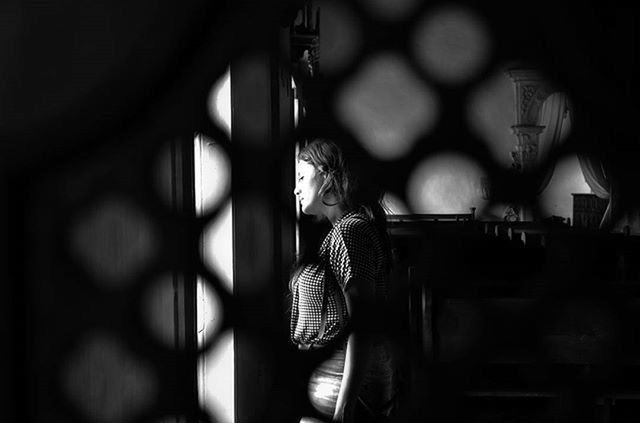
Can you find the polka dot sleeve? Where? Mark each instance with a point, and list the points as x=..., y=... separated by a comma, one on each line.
x=354, y=251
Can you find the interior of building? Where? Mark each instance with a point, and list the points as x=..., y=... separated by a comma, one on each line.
x=147, y=162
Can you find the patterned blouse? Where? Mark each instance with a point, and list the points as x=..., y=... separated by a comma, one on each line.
x=351, y=250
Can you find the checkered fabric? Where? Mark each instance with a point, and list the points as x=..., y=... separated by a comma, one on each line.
x=351, y=250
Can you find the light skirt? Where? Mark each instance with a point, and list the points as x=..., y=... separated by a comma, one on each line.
x=324, y=384
x=379, y=385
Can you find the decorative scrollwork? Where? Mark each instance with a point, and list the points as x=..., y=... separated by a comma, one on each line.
x=511, y=213
x=527, y=95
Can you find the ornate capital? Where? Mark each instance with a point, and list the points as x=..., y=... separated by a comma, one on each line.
x=531, y=90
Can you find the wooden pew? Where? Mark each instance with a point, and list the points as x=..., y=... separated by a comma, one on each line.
x=487, y=343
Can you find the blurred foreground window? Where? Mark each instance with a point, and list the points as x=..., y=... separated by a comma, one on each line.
x=212, y=186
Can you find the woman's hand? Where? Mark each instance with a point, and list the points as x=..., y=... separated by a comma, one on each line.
x=359, y=298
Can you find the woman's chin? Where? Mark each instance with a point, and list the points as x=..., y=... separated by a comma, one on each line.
x=308, y=211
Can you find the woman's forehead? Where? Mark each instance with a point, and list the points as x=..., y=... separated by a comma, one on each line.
x=305, y=167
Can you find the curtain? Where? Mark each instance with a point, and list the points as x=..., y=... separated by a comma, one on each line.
x=600, y=184
x=554, y=116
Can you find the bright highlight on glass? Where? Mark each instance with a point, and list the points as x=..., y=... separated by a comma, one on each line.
x=219, y=102
x=160, y=304
x=452, y=44
x=216, y=383
x=209, y=318
x=217, y=246
x=212, y=174
x=446, y=183
x=387, y=107
x=216, y=379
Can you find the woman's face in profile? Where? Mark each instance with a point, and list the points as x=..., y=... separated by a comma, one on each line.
x=308, y=184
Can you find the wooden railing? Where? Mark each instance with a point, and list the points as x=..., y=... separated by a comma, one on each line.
x=432, y=217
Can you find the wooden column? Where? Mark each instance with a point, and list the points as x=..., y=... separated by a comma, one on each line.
x=262, y=181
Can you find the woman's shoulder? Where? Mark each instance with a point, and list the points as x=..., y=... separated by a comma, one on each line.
x=354, y=226
x=354, y=221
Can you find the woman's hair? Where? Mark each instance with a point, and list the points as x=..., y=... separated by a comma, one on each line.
x=346, y=179
x=329, y=160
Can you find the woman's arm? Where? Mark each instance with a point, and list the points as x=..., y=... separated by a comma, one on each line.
x=359, y=298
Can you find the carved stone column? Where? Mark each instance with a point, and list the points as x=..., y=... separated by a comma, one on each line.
x=531, y=90
x=525, y=154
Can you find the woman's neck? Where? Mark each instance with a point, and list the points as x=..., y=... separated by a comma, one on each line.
x=334, y=213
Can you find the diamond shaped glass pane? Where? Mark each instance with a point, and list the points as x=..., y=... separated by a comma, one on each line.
x=446, y=183
x=452, y=44
x=114, y=240
x=106, y=382
x=387, y=107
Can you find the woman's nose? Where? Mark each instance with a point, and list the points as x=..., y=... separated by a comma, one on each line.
x=296, y=191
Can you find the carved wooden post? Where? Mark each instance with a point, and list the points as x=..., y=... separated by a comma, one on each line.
x=531, y=90
x=305, y=41
x=305, y=53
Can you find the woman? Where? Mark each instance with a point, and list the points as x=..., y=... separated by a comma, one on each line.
x=339, y=287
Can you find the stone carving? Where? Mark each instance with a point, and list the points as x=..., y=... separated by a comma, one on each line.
x=525, y=152
x=527, y=95
x=511, y=213
x=531, y=92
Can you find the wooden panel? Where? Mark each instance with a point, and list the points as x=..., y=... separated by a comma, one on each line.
x=588, y=210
